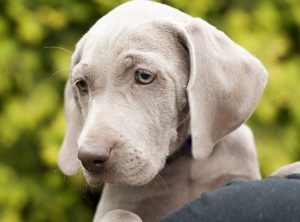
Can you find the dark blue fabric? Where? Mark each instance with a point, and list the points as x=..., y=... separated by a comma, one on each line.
x=274, y=199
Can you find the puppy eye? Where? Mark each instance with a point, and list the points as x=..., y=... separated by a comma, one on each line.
x=144, y=77
x=82, y=85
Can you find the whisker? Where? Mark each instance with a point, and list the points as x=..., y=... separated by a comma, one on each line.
x=161, y=180
x=60, y=48
x=183, y=120
x=58, y=71
x=117, y=175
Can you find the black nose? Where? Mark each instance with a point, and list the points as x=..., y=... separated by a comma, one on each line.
x=93, y=158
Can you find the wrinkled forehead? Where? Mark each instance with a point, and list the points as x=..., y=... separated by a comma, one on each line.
x=118, y=49
x=147, y=38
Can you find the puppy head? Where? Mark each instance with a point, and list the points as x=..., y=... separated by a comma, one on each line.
x=132, y=77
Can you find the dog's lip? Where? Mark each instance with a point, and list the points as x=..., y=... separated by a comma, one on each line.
x=94, y=179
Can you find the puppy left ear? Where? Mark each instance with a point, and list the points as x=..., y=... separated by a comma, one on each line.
x=225, y=85
x=68, y=161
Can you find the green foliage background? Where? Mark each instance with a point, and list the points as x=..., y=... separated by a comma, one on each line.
x=33, y=74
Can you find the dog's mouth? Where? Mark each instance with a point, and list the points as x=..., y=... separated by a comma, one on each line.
x=133, y=175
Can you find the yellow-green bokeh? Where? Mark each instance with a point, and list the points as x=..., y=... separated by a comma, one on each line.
x=37, y=38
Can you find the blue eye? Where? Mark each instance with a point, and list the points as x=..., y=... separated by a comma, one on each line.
x=144, y=77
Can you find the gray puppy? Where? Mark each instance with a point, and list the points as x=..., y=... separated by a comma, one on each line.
x=143, y=79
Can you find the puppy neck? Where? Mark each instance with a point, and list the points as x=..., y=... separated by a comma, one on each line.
x=184, y=149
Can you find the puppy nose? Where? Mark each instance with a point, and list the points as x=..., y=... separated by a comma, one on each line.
x=93, y=158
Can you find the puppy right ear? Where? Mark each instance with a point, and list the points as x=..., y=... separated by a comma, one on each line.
x=226, y=82
x=68, y=161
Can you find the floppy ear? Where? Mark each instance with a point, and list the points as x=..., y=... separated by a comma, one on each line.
x=225, y=85
x=68, y=161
